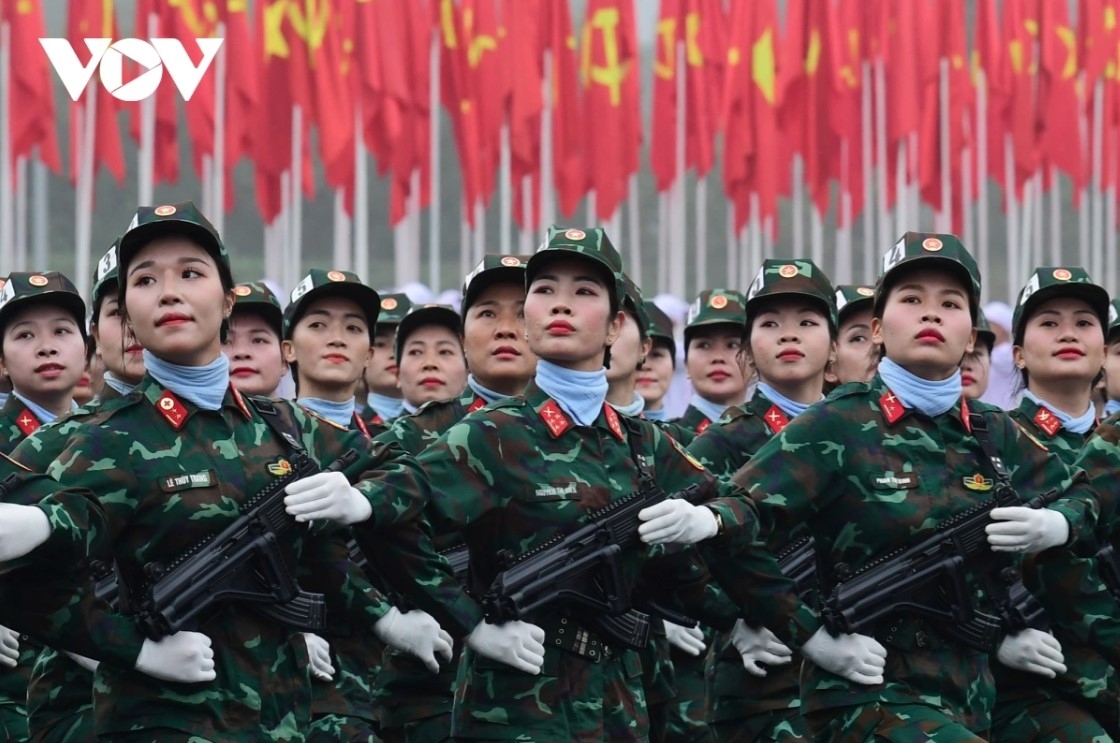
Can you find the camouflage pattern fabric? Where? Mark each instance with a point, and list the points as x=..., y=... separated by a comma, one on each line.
x=888, y=723
x=1089, y=688
x=688, y=719
x=513, y=492
x=867, y=476
x=733, y=695
x=690, y=425
x=429, y=730
x=149, y=476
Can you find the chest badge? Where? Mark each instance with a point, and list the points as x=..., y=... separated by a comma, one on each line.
x=280, y=468
x=978, y=482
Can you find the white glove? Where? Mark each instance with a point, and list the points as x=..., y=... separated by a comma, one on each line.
x=9, y=647
x=87, y=663
x=1022, y=529
x=415, y=632
x=858, y=658
x=22, y=529
x=518, y=644
x=688, y=639
x=676, y=520
x=185, y=657
x=757, y=647
x=328, y=496
x=318, y=656
x=1034, y=651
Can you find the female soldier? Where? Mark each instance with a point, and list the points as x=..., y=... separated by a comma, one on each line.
x=42, y=351
x=976, y=367
x=384, y=403
x=562, y=453
x=1059, y=348
x=1112, y=361
x=878, y=468
x=656, y=374
x=711, y=349
x=256, y=362
x=788, y=342
x=430, y=355
x=186, y=451
x=413, y=706
x=628, y=354
x=856, y=356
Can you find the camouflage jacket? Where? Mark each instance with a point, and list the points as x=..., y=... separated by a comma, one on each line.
x=404, y=689
x=688, y=426
x=867, y=476
x=149, y=476
x=16, y=424
x=723, y=448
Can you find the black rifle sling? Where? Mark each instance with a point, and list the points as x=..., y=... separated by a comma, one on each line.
x=288, y=435
x=979, y=425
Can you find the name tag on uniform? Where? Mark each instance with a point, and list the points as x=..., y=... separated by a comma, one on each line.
x=175, y=483
x=556, y=491
x=890, y=481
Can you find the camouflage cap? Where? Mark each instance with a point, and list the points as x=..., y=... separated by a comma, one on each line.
x=105, y=278
x=151, y=222
x=51, y=287
x=320, y=283
x=425, y=314
x=494, y=268
x=984, y=332
x=931, y=249
x=716, y=307
x=591, y=243
x=256, y=297
x=660, y=327
x=633, y=302
x=800, y=276
x=850, y=297
x=1114, y=317
x=393, y=309
x=1048, y=282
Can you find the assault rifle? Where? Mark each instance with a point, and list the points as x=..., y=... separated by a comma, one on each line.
x=582, y=570
x=798, y=561
x=928, y=578
x=459, y=557
x=245, y=562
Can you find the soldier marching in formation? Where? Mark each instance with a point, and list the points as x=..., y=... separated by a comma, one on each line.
x=478, y=523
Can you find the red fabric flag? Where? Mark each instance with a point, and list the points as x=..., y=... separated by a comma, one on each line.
x=1021, y=116
x=526, y=29
x=705, y=56
x=30, y=91
x=848, y=46
x=411, y=151
x=1058, y=99
x=566, y=105
x=186, y=20
x=332, y=68
x=610, y=78
x=990, y=58
x=490, y=81
x=663, y=138
x=1097, y=35
x=752, y=161
x=94, y=19
x=807, y=92
x=242, y=89
x=165, y=155
x=459, y=99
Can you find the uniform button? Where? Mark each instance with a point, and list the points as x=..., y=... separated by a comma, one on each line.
x=592, y=653
x=557, y=640
x=563, y=620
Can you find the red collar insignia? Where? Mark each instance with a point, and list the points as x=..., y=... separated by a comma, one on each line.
x=478, y=404
x=1047, y=421
x=171, y=409
x=776, y=419
x=891, y=406
x=612, y=421
x=555, y=419
x=703, y=426
x=965, y=414
x=27, y=422
x=237, y=398
x=361, y=424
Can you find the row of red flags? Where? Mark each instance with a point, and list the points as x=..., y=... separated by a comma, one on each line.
x=769, y=89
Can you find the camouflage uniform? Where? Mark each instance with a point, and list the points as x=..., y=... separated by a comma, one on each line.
x=393, y=309
x=1084, y=702
x=514, y=490
x=342, y=708
x=866, y=476
x=742, y=707
x=17, y=422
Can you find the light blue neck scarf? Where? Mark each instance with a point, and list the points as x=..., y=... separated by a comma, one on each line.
x=791, y=408
x=117, y=384
x=929, y=397
x=713, y=411
x=1112, y=407
x=1081, y=424
x=407, y=407
x=485, y=393
x=4, y=398
x=45, y=416
x=339, y=413
x=205, y=386
x=634, y=409
x=579, y=394
x=656, y=415
x=387, y=407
